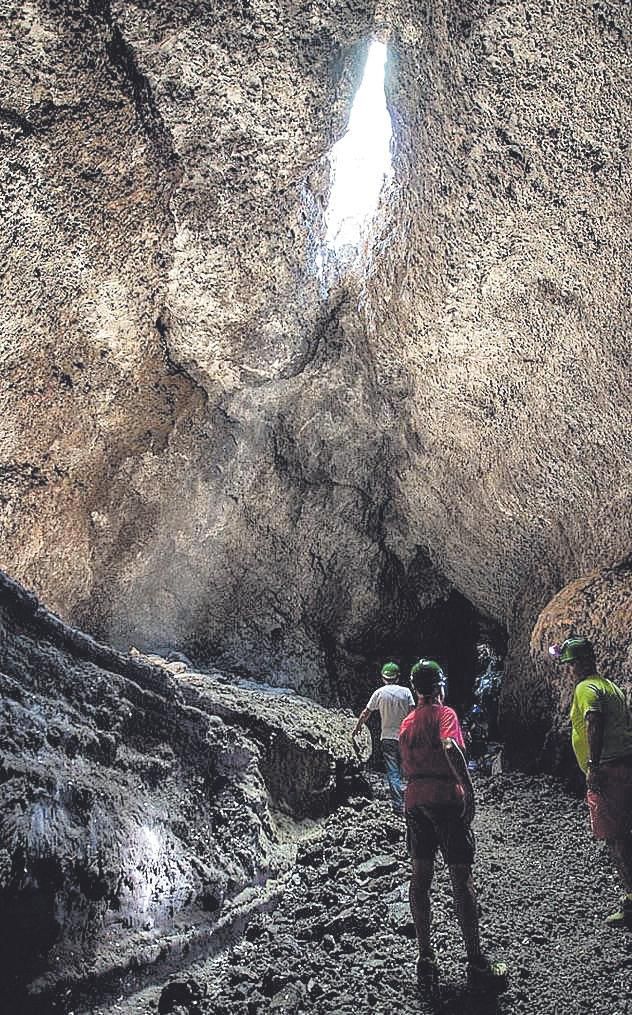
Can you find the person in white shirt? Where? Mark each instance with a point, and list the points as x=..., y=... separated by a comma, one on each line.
x=393, y=702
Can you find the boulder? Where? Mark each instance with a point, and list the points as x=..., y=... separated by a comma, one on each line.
x=597, y=606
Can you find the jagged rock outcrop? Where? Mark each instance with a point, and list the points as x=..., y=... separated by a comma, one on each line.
x=597, y=606
x=137, y=807
x=206, y=446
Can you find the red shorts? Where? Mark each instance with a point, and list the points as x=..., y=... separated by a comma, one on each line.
x=611, y=808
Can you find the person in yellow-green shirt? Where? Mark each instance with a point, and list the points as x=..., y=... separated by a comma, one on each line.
x=602, y=743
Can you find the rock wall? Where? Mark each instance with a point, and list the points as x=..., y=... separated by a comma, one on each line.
x=138, y=808
x=201, y=446
x=599, y=607
x=191, y=453
x=501, y=316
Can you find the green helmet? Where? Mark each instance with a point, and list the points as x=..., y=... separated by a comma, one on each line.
x=426, y=674
x=574, y=648
x=390, y=671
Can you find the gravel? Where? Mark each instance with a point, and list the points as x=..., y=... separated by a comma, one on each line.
x=342, y=941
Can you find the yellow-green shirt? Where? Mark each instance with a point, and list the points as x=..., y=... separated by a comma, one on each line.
x=597, y=694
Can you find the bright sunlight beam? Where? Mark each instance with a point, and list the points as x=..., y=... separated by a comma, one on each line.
x=361, y=160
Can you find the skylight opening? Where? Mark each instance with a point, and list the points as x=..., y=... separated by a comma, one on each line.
x=361, y=160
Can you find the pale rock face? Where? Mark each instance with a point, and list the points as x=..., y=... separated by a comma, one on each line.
x=199, y=446
x=507, y=296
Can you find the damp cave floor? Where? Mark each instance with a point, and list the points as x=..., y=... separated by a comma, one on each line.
x=341, y=939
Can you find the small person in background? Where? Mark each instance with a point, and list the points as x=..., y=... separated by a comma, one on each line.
x=393, y=702
x=602, y=743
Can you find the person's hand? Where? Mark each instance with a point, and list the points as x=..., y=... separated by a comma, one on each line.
x=469, y=805
x=593, y=778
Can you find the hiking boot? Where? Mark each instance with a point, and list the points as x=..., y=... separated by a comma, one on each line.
x=487, y=976
x=622, y=917
x=428, y=975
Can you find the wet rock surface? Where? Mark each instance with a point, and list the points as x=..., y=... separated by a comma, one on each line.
x=340, y=940
x=137, y=828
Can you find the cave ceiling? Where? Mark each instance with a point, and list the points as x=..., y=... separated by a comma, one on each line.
x=210, y=440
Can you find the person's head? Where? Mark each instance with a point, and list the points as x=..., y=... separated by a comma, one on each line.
x=578, y=654
x=390, y=673
x=428, y=679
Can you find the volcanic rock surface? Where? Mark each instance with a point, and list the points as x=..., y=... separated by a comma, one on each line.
x=341, y=941
x=142, y=814
x=500, y=302
x=598, y=607
x=205, y=444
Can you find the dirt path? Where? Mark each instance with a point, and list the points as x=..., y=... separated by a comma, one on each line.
x=342, y=939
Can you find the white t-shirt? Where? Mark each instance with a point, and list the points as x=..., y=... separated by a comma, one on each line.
x=394, y=703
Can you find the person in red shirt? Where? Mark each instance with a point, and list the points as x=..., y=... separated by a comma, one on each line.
x=439, y=808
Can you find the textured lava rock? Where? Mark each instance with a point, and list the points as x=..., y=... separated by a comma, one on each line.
x=189, y=413
x=499, y=318
x=543, y=885
x=205, y=449
x=598, y=606
x=179, y=992
x=304, y=750
x=136, y=827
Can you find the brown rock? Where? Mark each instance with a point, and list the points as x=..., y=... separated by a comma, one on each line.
x=598, y=607
x=204, y=449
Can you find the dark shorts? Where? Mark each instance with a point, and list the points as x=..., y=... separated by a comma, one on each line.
x=440, y=827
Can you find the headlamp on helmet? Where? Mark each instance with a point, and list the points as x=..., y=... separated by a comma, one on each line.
x=570, y=650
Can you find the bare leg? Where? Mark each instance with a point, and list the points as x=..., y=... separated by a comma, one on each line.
x=466, y=909
x=420, y=901
x=621, y=853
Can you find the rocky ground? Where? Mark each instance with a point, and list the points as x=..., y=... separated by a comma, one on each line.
x=341, y=940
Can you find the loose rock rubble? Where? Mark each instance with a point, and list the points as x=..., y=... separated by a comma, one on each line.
x=342, y=940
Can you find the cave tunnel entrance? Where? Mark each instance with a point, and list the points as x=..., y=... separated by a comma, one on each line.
x=469, y=646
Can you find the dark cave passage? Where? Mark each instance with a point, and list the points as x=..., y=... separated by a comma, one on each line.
x=452, y=632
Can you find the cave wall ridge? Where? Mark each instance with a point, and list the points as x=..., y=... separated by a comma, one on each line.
x=140, y=805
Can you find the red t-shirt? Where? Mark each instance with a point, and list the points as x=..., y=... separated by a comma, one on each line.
x=423, y=755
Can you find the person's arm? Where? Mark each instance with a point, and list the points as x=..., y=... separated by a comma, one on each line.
x=456, y=761
x=363, y=718
x=594, y=730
